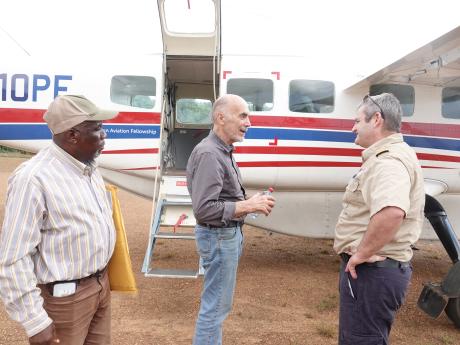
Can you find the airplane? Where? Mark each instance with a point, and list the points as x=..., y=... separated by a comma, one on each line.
x=300, y=141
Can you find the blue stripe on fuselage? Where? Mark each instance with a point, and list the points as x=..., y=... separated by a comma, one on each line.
x=41, y=131
x=347, y=137
x=433, y=143
x=299, y=134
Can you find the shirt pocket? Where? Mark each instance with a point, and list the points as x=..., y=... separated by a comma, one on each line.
x=353, y=192
x=353, y=185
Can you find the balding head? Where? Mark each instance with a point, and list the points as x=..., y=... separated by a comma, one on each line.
x=224, y=103
x=230, y=115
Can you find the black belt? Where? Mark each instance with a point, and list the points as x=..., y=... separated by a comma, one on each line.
x=96, y=274
x=230, y=224
x=387, y=263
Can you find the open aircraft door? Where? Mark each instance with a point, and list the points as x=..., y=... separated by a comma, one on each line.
x=191, y=63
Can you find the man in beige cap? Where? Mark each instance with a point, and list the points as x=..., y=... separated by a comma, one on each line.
x=382, y=217
x=58, y=234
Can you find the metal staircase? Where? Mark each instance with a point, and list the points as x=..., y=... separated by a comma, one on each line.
x=174, y=212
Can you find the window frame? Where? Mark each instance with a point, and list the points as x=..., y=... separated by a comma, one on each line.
x=122, y=83
x=178, y=124
x=251, y=108
x=390, y=91
x=443, y=105
x=313, y=103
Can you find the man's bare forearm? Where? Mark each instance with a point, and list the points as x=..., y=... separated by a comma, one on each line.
x=380, y=231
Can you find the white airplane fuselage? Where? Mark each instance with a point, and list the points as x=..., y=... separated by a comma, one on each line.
x=307, y=158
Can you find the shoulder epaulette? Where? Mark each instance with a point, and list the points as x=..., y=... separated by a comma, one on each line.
x=384, y=151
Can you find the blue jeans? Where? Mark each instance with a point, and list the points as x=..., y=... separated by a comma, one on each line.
x=220, y=250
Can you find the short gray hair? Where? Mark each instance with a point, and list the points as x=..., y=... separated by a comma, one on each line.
x=387, y=104
x=219, y=105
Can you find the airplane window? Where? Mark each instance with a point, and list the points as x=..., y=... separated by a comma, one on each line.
x=251, y=106
x=451, y=102
x=142, y=101
x=404, y=93
x=194, y=17
x=133, y=91
x=311, y=96
x=257, y=92
x=193, y=111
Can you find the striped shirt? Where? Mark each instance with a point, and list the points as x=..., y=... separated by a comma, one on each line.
x=58, y=226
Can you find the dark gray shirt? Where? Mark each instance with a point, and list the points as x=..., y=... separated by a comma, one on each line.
x=214, y=182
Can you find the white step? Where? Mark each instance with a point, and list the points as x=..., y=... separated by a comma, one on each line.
x=171, y=273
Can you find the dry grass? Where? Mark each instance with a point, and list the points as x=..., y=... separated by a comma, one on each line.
x=329, y=303
x=326, y=331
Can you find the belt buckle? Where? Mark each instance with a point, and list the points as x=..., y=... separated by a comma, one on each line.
x=232, y=224
x=98, y=273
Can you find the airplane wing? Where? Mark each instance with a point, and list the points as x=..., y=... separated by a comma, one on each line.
x=436, y=64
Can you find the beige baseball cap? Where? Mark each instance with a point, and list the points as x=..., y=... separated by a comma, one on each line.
x=67, y=111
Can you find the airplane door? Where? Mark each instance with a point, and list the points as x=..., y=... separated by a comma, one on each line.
x=191, y=62
x=191, y=65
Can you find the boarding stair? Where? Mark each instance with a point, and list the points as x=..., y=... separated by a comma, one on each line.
x=173, y=220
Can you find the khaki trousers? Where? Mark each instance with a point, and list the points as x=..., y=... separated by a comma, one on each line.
x=84, y=317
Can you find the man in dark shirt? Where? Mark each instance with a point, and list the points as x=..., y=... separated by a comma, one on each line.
x=220, y=205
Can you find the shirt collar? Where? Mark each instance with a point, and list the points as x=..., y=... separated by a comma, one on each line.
x=220, y=143
x=382, y=144
x=85, y=169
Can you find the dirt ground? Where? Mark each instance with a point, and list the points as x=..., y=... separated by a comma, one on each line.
x=286, y=291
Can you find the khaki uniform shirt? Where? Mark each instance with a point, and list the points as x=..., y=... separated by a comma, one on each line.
x=389, y=176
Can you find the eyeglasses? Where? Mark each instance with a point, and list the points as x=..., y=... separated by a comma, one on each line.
x=378, y=106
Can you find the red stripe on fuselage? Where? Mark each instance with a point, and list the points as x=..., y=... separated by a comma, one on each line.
x=12, y=115
x=310, y=164
x=135, y=117
x=328, y=151
x=21, y=115
x=431, y=129
x=412, y=128
x=290, y=164
x=296, y=164
x=131, y=151
x=293, y=150
x=301, y=122
x=144, y=168
x=434, y=157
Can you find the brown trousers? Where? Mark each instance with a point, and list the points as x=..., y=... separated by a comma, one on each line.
x=84, y=317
